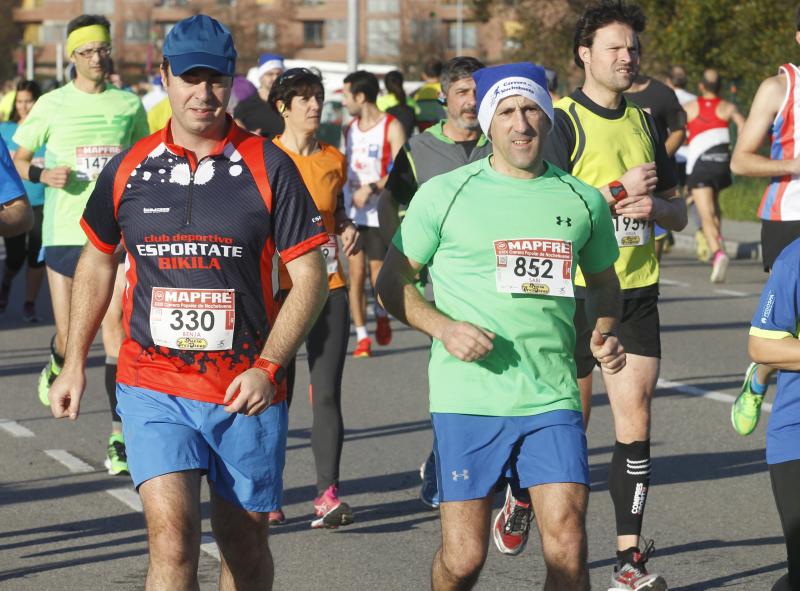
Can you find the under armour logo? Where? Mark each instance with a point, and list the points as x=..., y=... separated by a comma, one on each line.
x=560, y=220
x=464, y=475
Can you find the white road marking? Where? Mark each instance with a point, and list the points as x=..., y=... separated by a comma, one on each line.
x=672, y=283
x=732, y=292
x=209, y=546
x=710, y=394
x=128, y=496
x=15, y=429
x=73, y=464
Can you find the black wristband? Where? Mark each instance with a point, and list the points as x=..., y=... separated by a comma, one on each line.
x=35, y=173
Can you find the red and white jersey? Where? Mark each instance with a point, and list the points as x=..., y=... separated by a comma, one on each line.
x=781, y=200
x=369, y=157
x=706, y=131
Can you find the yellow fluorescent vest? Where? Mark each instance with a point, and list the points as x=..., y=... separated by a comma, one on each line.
x=604, y=150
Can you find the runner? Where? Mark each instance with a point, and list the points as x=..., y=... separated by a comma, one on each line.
x=83, y=125
x=298, y=95
x=430, y=110
x=372, y=139
x=255, y=113
x=454, y=142
x=16, y=214
x=201, y=377
x=773, y=343
x=661, y=102
x=503, y=395
x=708, y=162
x=24, y=247
x=397, y=104
x=772, y=112
x=608, y=143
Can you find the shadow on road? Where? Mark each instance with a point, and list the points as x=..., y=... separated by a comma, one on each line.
x=366, y=433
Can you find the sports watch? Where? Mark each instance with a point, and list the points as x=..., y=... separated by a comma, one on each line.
x=617, y=190
x=275, y=372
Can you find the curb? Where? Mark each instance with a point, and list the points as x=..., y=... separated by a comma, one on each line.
x=735, y=249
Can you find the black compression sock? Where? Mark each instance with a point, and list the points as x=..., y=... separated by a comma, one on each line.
x=111, y=387
x=628, y=482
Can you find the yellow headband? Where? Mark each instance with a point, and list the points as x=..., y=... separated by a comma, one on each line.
x=85, y=35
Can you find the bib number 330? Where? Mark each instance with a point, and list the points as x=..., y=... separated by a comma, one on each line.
x=193, y=319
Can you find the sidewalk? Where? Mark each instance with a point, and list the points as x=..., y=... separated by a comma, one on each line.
x=742, y=239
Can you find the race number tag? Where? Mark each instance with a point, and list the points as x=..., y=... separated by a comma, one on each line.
x=331, y=252
x=631, y=232
x=534, y=266
x=90, y=160
x=193, y=319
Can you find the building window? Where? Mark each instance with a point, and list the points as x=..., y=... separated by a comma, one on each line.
x=266, y=36
x=469, y=39
x=424, y=30
x=98, y=6
x=383, y=37
x=312, y=33
x=137, y=31
x=53, y=32
x=336, y=30
x=387, y=6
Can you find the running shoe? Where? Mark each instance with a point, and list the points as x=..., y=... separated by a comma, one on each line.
x=701, y=244
x=512, y=525
x=363, y=348
x=746, y=410
x=29, y=312
x=330, y=511
x=631, y=575
x=383, y=330
x=429, y=491
x=276, y=517
x=720, y=267
x=46, y=379
x=116, y=456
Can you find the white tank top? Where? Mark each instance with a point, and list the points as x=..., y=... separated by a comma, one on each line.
x=369, y=157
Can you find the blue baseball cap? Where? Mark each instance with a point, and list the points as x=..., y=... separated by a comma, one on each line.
x=200, y=42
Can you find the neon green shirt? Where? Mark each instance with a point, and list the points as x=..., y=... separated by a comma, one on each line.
x=82, y=131
x=475, y=229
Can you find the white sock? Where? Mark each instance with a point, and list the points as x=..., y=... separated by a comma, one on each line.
x=361, y=333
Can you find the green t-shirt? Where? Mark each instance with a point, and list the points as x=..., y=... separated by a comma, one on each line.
x=82, y=131
x=481, y=232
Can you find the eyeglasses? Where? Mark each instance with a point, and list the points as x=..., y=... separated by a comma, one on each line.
x=102, y=51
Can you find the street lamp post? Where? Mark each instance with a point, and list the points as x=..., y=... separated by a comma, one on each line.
x=352, y=35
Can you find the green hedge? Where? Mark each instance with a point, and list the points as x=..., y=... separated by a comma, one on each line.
x=740, y=201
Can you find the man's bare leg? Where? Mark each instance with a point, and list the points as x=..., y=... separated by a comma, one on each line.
x=560, y=511
x=172, y=512
x=242, y=537
x=465, y=541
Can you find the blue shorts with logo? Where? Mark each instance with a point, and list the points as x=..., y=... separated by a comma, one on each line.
x=474, y=451
x=242, y=456
x=659, y=232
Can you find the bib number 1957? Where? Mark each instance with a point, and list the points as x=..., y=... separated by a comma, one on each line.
x=631, y=232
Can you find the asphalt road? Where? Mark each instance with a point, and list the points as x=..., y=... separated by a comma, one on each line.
x=710, y=508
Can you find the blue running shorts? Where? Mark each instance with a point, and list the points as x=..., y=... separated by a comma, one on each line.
x=474, y=451
x=242, y=456
x=659, y=232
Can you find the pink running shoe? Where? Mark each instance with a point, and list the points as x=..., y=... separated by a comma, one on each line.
x=330, y=511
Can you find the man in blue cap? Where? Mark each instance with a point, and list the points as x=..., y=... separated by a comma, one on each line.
x=255, y=112
x=502, y=238
x=200, y=207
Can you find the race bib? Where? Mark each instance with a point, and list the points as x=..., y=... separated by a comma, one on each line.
x=193, y=319
x=90, y=160
x=631, y=232
x=331, y=252
x=534, y=266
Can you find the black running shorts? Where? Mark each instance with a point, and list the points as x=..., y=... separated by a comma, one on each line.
x=712, y=169
x=373, y=244
x=639, y=331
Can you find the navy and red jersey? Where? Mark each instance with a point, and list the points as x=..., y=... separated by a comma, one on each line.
x=190, y=226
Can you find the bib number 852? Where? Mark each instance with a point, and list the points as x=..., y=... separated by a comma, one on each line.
x=533, y=267
x=192, y=320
